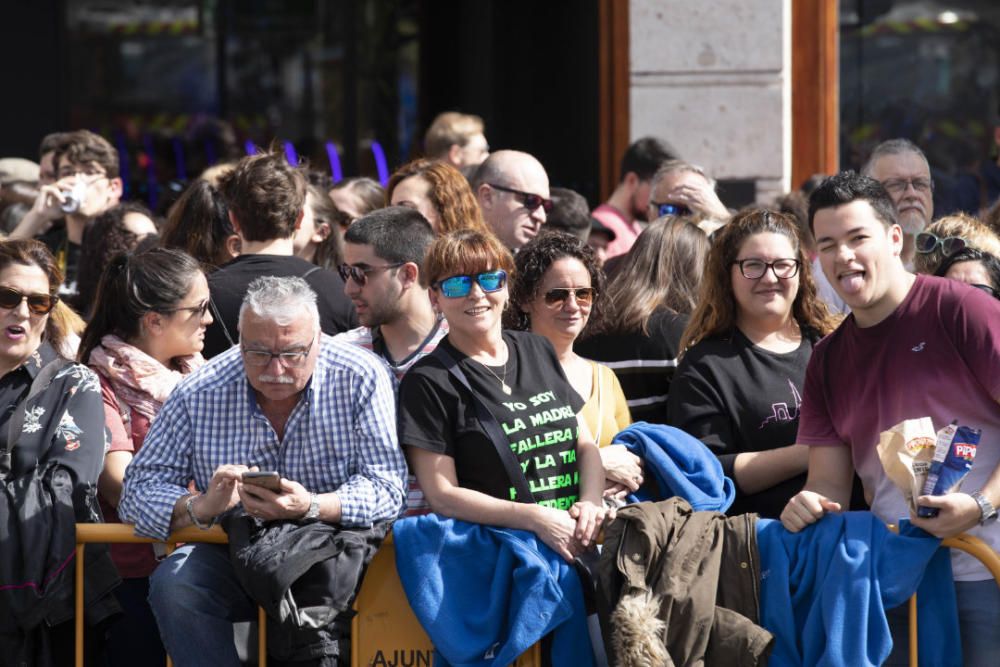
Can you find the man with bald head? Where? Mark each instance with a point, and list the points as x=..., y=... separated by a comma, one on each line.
x=513, y=192
x=902, y=169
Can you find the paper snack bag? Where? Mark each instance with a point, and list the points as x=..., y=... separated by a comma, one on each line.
x=905, y=451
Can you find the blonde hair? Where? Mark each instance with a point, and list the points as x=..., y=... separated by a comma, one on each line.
x=976, y=235
x=448, y=129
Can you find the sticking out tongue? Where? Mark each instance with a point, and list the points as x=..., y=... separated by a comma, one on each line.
x=852, y=282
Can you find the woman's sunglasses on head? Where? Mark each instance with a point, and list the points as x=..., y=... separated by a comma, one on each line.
x=39, y=304
x=459, y=286
x=927, y=243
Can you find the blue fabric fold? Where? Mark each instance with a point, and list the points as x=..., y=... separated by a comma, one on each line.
x=680, y=464
x=825, y=590
x=485, y=595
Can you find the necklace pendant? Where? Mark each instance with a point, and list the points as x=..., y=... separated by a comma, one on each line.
x=505, y=387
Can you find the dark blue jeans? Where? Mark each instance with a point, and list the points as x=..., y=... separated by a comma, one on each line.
x=196, y=599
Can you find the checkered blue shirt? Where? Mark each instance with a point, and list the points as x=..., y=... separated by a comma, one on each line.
x=340, y=437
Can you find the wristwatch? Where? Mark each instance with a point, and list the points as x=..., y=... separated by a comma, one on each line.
x=313, y=512
x=986, y=510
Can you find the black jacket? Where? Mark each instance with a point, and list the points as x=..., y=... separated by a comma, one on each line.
x=305, y=576
x=681, y=587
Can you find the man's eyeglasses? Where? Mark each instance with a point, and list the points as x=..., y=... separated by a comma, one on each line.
x=39, y=304
x=456, y=287
x=752, y=269
x=897, y=186
x=198, y=310
x=530, y=201
x=927, y=243
x=359, y=274
x=558, y=295
x=667, y=208
x=261, y=358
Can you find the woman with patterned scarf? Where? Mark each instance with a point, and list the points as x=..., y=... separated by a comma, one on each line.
x=146, y=334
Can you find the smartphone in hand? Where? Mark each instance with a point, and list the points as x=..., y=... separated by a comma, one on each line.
x=269, y=479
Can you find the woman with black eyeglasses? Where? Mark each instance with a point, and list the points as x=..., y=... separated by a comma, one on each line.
x=145, y=335
x=973, y=267
x=455, y=453
x=51, y=452
x=745, y=351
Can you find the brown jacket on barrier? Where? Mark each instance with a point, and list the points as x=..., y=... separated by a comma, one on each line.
x=680, y=587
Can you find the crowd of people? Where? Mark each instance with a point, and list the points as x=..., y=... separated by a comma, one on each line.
x=305, y=363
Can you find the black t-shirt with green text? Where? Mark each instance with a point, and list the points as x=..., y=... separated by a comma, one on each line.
x=437, y=414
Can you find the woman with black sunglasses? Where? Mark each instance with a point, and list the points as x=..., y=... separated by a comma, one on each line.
x=51, y=451
x=517, y=377
x=557, y=295
x=745, y=351
x=145, y=335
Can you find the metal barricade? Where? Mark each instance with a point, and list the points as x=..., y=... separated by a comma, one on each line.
x=120, y=533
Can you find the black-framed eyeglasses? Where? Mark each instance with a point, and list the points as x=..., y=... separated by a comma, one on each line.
x=753, y=268
x=359, y=274
x=39, y=304
x=668, y=208
x=558, y=295
x=926, y=243
x=897, y=186
x=198, y=310
x=989, y=289
x=261, y=358
x=529, y=200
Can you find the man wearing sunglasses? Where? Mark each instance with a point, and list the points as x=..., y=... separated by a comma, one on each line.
x=513, y=192
x=902, y=169
x=88, y=184
x=913, y=347
x=266, y=199
x=681, y=188
x=628, y=206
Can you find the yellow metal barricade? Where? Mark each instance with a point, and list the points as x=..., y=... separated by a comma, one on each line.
x=119, y=533
x=971, y=545
x=385, y=631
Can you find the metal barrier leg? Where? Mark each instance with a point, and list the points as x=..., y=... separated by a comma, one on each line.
x=914, y=657
x=78, y=611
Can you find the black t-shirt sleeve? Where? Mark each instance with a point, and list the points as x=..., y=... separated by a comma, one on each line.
x=696, y=407
x=428, y=407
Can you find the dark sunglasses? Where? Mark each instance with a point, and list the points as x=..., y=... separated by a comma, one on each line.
x=989, y=289
x=359, y=274
x=584, y=295
x=198, y=310
x=530, y=201
x=458, y=286
x=39, y=304
x=666, y=208
x=927, y=243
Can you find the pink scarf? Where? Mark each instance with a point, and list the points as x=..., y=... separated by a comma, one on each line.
x=140, y=381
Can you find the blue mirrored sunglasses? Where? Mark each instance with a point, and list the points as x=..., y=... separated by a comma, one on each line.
x=459, y=286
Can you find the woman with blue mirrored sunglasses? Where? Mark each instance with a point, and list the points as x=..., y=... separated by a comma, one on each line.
x=458, y=286
x=455, y=451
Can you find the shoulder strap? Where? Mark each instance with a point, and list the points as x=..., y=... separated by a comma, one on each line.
x=222, y=323
x=310, y=271
x=492, y=428
x=16, y=423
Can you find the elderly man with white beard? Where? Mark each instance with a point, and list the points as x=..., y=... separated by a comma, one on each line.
x=902, y=169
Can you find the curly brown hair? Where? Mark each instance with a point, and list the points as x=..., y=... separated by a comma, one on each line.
x=449, y=192
x=265, y=195
x=534, y=260
x=717, y=309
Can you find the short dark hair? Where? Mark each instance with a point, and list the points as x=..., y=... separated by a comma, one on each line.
x=395, y=233
x=53, y=142
x=645, y=156
x=847, y=187
x=570, y=213
x=266, y=195
x=82, y=147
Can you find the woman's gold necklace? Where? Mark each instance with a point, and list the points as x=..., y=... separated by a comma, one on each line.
x=503, y=381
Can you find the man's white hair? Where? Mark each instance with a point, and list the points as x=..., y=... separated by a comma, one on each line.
x=280, y=300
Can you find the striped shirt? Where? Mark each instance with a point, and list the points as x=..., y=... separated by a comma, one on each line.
x=416, y=502
x=340, y=437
